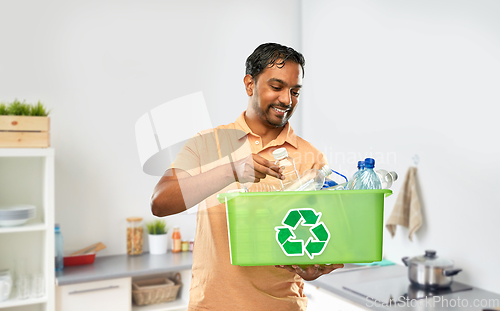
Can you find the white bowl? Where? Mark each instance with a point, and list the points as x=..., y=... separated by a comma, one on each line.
x=15, y=215
x=13, y=223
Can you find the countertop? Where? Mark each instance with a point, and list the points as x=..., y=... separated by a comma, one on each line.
x=119, y=266
x=337, y=280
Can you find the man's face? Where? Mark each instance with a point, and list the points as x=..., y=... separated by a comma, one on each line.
x=276, y=93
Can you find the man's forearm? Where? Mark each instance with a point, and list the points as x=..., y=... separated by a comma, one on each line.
x=172, y=195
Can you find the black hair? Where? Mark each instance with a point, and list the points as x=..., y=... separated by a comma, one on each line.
x=270, y=54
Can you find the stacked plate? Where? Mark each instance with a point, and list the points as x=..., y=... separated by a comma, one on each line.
x=15, y=215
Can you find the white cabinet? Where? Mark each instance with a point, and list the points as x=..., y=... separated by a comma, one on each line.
x=27, y=177
x=108, y=295
x=320, y=300
x=116, y=295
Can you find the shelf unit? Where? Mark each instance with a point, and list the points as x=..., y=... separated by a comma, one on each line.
x=27, y=177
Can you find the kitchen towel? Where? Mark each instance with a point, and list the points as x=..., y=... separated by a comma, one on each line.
x=406, y=211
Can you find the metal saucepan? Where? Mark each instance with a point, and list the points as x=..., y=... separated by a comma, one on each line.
x=429, y=271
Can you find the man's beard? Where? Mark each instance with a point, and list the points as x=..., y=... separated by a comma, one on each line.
x=265, y=117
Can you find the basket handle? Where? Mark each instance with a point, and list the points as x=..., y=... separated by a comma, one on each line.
x=177, y=278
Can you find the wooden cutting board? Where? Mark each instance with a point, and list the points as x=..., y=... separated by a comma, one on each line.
x=90, y=249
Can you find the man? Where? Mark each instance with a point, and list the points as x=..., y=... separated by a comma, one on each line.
x=201, y=170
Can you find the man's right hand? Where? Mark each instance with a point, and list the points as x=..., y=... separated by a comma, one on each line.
x=254, y=168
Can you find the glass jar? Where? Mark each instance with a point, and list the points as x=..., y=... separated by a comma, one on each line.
x=185, y=246
x=134, y=235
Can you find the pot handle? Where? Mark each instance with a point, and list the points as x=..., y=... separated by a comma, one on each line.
x=405, y=260
x=451, y=272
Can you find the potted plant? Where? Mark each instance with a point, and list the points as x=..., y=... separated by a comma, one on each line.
x=157, y=236
x=23, y=125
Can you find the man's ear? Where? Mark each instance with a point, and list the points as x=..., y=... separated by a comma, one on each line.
x=249, y=84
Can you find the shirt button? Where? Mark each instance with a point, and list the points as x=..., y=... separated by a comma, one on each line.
x=256, y=142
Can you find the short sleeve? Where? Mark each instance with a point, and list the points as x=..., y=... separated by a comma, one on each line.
x=188, y=159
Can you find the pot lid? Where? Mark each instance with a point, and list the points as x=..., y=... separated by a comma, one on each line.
x=431, y=259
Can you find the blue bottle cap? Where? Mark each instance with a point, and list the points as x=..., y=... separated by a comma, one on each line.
x=369, y=163
x=361, y=164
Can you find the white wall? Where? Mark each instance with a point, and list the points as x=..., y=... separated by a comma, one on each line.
x=100, y=65
x=393, y=79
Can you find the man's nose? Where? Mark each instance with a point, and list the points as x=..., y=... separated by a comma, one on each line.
x=286, y=97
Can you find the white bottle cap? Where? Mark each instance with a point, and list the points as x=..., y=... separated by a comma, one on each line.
x=280, y=153
x=394, y=175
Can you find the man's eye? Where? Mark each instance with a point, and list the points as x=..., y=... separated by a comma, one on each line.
x=275, y=88
x=296, y=94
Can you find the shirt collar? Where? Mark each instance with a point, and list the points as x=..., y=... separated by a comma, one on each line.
x=286, y=135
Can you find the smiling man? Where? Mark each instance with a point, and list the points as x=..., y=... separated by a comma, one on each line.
x=201, y=170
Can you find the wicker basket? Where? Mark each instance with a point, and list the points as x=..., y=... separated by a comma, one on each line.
x=152, y=291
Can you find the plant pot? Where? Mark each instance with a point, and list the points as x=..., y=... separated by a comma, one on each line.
x=24, y=132
x=157, y=244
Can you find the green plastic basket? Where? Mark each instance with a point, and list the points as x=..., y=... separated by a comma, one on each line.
x=304, y=228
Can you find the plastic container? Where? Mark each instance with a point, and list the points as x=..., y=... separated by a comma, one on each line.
x=59, y=258
x=311, y=180
x=135, y=234
x=287, y=164
x=79, y=260
x=334, y=227
x=367, y=178
x=386, y=178
x=361, y=167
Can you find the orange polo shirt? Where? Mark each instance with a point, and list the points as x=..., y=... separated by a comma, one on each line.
x=216, y=284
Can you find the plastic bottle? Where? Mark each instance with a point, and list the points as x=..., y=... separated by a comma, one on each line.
x=328, y=182
x=341, y=186
x=311, y=180
x=367, y=179
x=176, y=241
x=361, y=167
x=59, y=258
x=287, y=164
x=386, y=178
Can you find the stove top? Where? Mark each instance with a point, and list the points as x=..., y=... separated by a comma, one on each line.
x=391, y=291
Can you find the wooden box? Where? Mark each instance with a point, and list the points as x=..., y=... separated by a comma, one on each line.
x=24, y=132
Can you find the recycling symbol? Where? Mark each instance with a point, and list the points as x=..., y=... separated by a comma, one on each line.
x=314, y=245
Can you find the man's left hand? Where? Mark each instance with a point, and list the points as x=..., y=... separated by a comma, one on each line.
x=312, y=272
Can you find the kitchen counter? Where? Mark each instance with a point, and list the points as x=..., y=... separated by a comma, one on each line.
x=337, y=280
x=118, y=266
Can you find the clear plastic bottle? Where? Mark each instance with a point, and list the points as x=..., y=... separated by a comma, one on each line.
x=361, y=167
x=386, y=178
x=59, y=258
x=287, y=164
x=367, y=179
x=311, y=180
x=341, y=186
x=328, y=182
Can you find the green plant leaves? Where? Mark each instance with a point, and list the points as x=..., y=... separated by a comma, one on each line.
x=17, y=108
x=157, y=226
